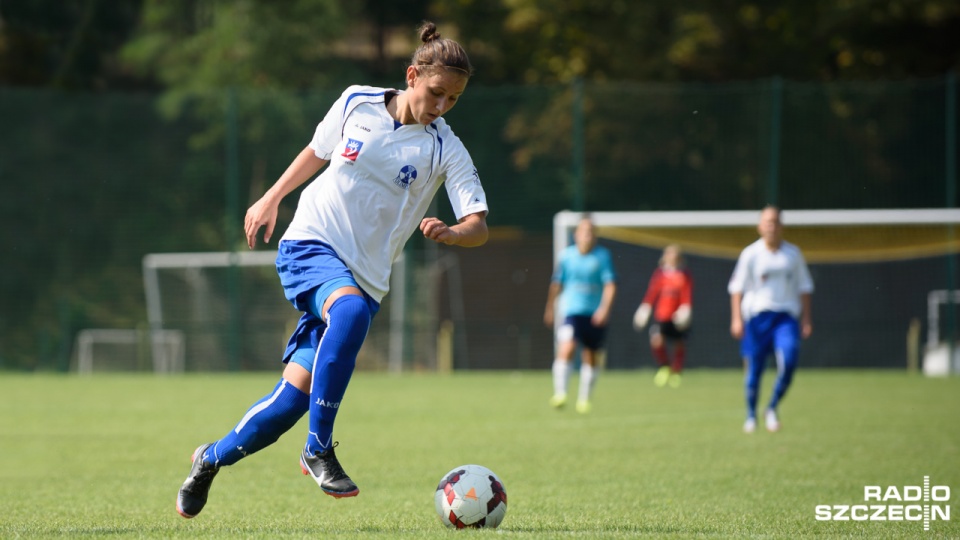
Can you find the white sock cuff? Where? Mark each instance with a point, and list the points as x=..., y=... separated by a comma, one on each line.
x=561, y=375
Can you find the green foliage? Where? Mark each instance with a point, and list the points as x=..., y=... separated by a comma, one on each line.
x=66, y=44
x=647, y=462
x=95, y=181
x=195, y=46
x=537, y=41
x=198, y=50
x=186, y=45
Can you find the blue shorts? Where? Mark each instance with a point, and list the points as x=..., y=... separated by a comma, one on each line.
x=581, y=328
x=309, y=272
x=770, y=331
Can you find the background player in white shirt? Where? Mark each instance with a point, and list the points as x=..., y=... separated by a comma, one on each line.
x=770, y=293
x=387, y=153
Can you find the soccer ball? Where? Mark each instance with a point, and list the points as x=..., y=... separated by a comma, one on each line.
x=471, y=496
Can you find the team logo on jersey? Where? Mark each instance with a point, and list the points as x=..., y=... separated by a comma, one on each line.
x=352, y=150
x=406, y=177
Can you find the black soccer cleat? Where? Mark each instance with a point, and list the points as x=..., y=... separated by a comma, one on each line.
x=326, y=470
x=193, y=492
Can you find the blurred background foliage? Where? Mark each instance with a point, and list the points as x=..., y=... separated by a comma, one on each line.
x=123, y=118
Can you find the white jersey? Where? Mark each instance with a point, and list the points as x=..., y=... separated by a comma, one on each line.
x=379, y=183
x=770, y=280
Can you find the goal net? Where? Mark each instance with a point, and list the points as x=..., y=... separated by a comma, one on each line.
x=116, y=349
x=230, y=313
x=873, y=271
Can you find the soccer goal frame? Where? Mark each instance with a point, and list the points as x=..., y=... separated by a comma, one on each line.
x=940, y=358
x=564, y=222
x=154, y=262
x=400, y=338
x=165, y=346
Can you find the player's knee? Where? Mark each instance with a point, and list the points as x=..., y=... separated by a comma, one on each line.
x=788, y=359
x=349, y=318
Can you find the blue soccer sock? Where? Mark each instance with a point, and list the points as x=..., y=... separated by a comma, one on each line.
x=263, y=424
x=786, y=364
x=348, y=320
x=754, y=372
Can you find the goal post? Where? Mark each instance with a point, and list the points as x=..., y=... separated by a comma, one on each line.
x=873, y=270
x=935, y=223
x=119, y=349
x=230, y=310
x=197, y=285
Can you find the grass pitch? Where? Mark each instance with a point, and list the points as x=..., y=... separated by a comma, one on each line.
x=103, y=456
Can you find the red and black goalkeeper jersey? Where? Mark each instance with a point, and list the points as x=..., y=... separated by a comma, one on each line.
x=668, y=290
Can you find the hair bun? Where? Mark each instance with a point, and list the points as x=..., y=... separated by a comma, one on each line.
x=428, y=32
x=437, y=52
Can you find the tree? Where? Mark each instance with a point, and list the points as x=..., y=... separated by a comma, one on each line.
x=68, y=44
x=606, y=42
x=544, y=41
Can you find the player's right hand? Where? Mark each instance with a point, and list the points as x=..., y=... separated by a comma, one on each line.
x=736, y=328
x=262, y=213
x=641, y=317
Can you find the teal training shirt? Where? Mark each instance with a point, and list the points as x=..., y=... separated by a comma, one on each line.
x=582, y=277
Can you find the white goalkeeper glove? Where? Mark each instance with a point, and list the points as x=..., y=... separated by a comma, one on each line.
x=641, y=317
x=682, y=316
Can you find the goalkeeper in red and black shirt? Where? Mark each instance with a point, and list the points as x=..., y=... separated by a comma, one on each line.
x=668, y=299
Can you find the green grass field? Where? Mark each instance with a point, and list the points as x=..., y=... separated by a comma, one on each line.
x=103, y=456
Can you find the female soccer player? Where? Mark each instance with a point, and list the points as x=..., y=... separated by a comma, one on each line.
x=770, y=298
x=669, y=298
x=585, y=283
x=388, y=152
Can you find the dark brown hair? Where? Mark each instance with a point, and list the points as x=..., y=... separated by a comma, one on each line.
x=437, y=52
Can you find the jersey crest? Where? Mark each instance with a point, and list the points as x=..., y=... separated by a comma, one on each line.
x=408, y=173
x=352, y=149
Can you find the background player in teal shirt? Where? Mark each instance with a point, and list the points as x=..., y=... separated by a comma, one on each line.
x=585, y=283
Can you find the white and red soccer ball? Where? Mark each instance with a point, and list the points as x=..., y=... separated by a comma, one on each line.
x=471, y=496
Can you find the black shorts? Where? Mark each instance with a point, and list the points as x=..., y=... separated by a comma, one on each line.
x=668, y=330
x=581, y=328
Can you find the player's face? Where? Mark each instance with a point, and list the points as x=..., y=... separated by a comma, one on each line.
x=433, y=92
x=770, y=227
x=671, y=258
x=585, y=236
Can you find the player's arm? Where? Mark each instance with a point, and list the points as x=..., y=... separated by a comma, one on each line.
x=684, y=312
x=806, y=298
x=806, y=318
x=471, y=231
x=602, y=313
x=552, y=293
x=736, y=286
x=642, y=316
x=736, y=317
x=264, y=211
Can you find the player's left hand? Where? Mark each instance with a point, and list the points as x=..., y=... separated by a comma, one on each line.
x=681, y=317
x=600, y=317
x=438, y=231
